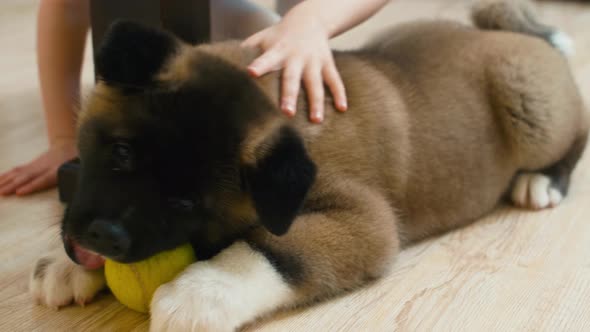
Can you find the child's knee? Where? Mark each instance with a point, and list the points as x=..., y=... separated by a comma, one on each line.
x=238, y=19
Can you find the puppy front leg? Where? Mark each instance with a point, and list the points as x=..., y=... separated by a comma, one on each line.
x=324, y=253
x=56, y=281
x=220, y=294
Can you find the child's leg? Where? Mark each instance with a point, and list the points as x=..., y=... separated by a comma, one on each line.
x=238, y=19
x=61, y=34
x=283, y=6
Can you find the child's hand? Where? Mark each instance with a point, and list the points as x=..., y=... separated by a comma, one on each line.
x=299, y=46
x=39, y=174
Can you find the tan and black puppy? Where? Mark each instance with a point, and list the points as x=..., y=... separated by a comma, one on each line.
x=178, y=144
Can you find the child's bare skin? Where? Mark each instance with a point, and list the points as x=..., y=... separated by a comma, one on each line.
x=62, y=26
x=297, y=44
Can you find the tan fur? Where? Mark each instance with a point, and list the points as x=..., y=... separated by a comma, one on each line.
x=178, y=68
x=441, y=118
x=259, y=140
x=518, y=16
x=425, y=147
x=102, y=103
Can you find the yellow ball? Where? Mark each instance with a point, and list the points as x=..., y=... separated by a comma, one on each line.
x=134, y=284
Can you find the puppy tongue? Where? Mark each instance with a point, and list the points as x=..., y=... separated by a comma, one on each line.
x=88, y=259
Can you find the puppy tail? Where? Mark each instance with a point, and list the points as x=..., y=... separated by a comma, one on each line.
x=518, y=16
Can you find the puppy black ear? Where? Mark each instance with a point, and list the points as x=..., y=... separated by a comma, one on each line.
x=280, y=180
x=131, y=54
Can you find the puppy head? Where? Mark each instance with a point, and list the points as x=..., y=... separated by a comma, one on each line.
x=176, y=152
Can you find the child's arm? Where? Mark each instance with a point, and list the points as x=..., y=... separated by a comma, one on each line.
x=61, y=33
x=299, y=45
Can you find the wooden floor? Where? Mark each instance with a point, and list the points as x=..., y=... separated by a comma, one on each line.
x=512, y=271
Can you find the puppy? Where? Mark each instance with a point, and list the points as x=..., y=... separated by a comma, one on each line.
x=178, y=144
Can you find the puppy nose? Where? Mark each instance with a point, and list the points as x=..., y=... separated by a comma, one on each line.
x=108, y=238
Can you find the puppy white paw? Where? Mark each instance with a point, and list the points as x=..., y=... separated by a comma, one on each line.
x=175, y=308
x=534, y=191
x=56, y=281
x=221, y=294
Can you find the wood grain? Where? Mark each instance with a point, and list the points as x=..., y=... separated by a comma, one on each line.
x=512, y=271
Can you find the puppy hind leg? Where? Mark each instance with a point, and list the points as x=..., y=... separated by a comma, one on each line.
x=547, y=188
x=535, y=191
x=542, y=118
x=334, y=249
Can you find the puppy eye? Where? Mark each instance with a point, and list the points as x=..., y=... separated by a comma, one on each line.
x=122, y=156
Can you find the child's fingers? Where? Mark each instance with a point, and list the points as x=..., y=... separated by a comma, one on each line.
x=7, y=177
x=269, y=61
x=19, y=176
x=17, y=181
x=255, y=40
x=43, y=181
x=34, y=167
x=312, y=78
x=290, y=85
x=334, y=83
